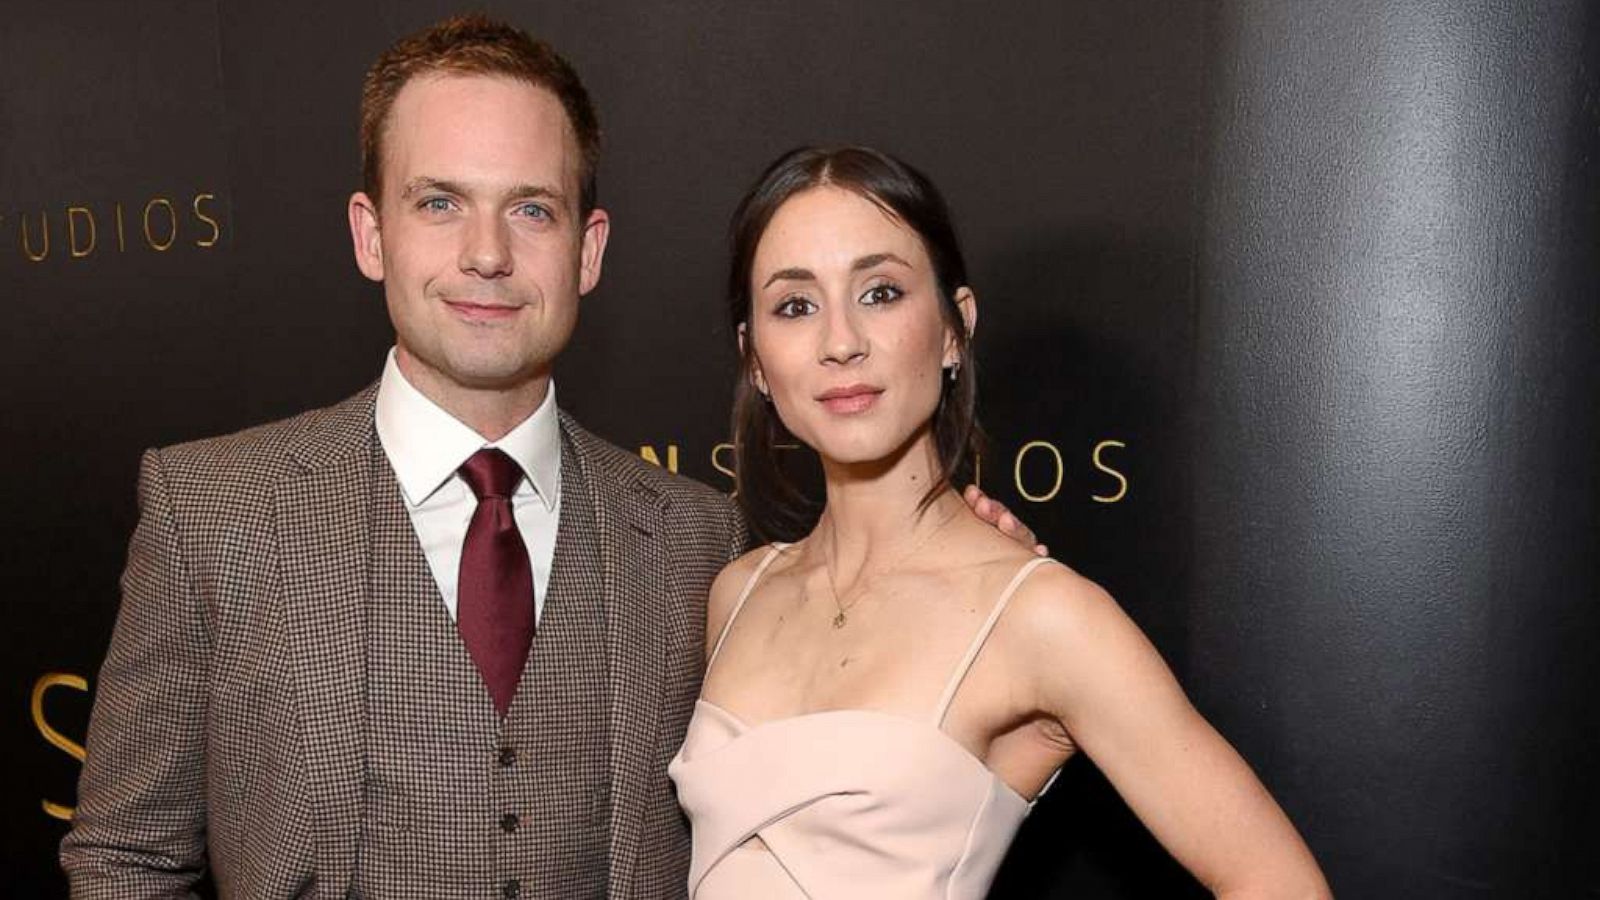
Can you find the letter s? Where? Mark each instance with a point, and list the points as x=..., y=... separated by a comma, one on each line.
x=1122, y=490
x=52, y=736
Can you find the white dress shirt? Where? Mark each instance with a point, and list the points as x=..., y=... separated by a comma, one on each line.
x=426, y=445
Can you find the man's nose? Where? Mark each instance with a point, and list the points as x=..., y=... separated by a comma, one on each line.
x=486, y=250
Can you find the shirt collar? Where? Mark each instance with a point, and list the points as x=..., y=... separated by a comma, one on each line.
x=426, y=445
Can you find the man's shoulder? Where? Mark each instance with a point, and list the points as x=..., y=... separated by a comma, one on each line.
x=268, y=449
x=623, y=468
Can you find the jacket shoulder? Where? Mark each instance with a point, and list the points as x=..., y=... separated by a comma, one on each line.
x=269, y=449
x=630, y=468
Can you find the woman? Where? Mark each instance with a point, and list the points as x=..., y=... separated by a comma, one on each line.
x=885, y=697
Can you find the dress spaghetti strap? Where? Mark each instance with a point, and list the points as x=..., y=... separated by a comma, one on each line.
x=960, y=673
x=744, y=595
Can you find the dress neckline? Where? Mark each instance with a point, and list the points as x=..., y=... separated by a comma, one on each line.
x=897, y=719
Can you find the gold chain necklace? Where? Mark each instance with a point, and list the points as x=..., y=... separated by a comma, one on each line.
x=840, y=619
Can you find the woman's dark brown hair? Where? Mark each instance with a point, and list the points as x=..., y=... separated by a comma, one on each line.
x=774, y=505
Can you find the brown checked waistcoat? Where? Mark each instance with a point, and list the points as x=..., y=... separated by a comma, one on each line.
x=521, y=800
x=283, y=701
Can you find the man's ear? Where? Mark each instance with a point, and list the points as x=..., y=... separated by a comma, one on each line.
x=756, y=378
x=366, y=238
x=596, y=229
x=967, y=302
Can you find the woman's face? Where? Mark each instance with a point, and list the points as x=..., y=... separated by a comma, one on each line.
x=845, y=325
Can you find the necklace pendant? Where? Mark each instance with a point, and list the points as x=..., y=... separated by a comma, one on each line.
x=838, y=621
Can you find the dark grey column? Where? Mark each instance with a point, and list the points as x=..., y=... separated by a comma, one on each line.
x=1395, y=606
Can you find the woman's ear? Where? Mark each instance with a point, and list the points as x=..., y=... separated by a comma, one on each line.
x=967, y=303
x=745, y=352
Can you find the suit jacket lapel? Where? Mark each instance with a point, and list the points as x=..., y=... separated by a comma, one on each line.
x=633, y=570
x=323, y=521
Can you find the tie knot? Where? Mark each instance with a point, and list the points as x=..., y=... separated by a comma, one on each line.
x=491, y=473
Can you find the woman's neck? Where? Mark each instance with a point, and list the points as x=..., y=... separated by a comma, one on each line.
x=875, y=516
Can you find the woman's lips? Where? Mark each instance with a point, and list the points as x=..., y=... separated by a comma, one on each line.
x=849, y=400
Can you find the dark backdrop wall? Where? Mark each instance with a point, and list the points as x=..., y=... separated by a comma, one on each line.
x=1288, y=338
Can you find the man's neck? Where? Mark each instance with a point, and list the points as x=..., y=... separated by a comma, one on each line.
x=491, y=412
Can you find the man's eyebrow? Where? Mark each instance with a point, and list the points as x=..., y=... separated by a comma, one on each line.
x=790, y=274
x=543, y=191
x=425, y=183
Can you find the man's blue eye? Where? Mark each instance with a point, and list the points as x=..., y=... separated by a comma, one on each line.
x=534, y=210
x=436, y=204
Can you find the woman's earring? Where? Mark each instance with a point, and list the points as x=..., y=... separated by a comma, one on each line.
x=953, y=371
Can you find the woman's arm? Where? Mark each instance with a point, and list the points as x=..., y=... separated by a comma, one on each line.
x=1098, y=676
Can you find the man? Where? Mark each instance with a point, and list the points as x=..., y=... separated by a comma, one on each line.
x=286, y=696
x=327, y=677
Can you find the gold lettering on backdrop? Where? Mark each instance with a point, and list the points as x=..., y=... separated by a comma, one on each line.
x=73, y=212
x=81, y=222
x=216, y=230
x=1017, y=471
x=728, y=470
x=27, y=245
x=1122, y=481
x=172, y=223
x=1029, y=486
x=716, y=463
x=648, y=453
x=53, y=737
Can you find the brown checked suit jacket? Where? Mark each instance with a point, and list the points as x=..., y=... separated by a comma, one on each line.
x=228, y=728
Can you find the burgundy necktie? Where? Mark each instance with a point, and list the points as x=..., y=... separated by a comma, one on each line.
x=494, y=600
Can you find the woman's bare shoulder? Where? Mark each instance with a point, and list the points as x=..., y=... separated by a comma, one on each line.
x=1080, y=649
x=730, y=584
x=1056, y=608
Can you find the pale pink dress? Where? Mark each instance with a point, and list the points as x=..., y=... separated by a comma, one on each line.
x=849, y=803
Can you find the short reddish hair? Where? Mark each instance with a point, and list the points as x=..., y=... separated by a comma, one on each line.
x=476, y=45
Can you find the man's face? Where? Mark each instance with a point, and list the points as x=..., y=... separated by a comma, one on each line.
x=478, y=240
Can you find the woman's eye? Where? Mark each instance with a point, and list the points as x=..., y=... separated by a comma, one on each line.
x=883, y=293
x=795, y=307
